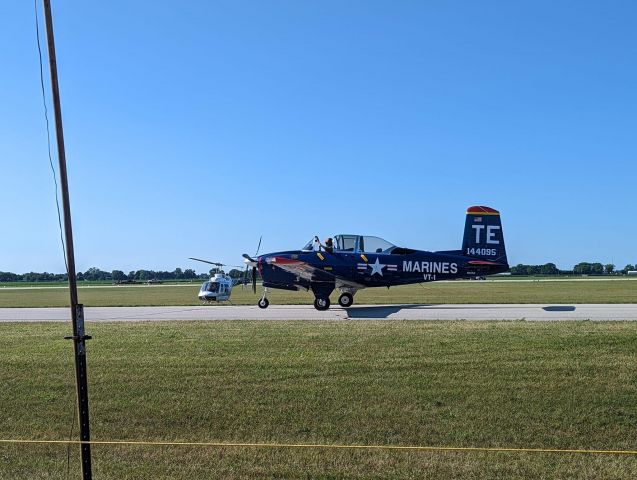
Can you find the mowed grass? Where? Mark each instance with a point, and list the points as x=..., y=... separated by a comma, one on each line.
x=471, y=384
x=563, y=291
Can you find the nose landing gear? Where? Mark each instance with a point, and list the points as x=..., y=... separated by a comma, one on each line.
x=263, y=301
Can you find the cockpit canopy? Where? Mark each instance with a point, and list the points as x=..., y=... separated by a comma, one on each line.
x=362, y=243
x=357, y=244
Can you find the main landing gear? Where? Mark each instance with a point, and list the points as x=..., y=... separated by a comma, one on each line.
x=346, y=299
x=322, y=303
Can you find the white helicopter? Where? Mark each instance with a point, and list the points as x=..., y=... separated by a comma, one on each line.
x=219, y=287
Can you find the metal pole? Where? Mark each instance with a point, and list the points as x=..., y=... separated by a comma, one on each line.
x=77, y=310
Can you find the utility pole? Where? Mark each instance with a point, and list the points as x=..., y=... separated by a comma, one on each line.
x=77, y=310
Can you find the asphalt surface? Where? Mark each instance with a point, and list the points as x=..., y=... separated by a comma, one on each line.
x=534, y=312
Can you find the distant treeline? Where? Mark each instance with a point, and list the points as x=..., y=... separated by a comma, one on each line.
x=95, y=274
x=582, y=268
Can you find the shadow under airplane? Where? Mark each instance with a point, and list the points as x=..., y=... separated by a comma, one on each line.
x=379, y=311
x=559, y=308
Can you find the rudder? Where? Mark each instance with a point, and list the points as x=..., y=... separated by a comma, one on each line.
x=483, y=237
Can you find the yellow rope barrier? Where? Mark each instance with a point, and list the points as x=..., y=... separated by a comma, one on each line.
x=328, y=446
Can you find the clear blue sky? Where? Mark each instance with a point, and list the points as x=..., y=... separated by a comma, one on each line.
x=194, y=127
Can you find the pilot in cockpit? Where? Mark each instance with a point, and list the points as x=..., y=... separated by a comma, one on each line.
x=329, y=245
x=316, y=244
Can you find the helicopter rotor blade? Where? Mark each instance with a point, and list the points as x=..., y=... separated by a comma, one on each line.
x=207, y=261
x=216, y=264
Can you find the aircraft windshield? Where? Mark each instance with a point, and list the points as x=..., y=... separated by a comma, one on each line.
x=210, y=287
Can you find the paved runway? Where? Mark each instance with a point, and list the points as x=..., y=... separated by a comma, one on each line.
x=532, y=312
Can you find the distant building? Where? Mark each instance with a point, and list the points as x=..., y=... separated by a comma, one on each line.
x=631, y=272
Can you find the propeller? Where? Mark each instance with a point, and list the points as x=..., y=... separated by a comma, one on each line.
x=248, y=259
x=259, y=246
x=251, y=262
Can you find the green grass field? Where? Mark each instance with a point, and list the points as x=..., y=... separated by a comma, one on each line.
x=562, y=291
x=481, y=384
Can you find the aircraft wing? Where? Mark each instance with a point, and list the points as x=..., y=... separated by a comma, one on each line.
x=312, y=273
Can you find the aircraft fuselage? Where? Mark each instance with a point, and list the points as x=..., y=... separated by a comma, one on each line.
x=371, y=270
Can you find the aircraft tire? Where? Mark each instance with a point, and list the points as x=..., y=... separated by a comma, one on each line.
x=263, y=303
x=321, y=303
x=346, y=300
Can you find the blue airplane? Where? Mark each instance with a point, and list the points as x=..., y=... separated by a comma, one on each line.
x=354, y=262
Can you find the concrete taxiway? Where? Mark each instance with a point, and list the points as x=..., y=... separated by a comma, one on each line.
x=533, y=312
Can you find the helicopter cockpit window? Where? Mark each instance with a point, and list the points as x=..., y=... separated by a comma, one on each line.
x=375, y=245
x=213, y=287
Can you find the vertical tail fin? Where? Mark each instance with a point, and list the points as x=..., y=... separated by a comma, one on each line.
x=483, y=237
